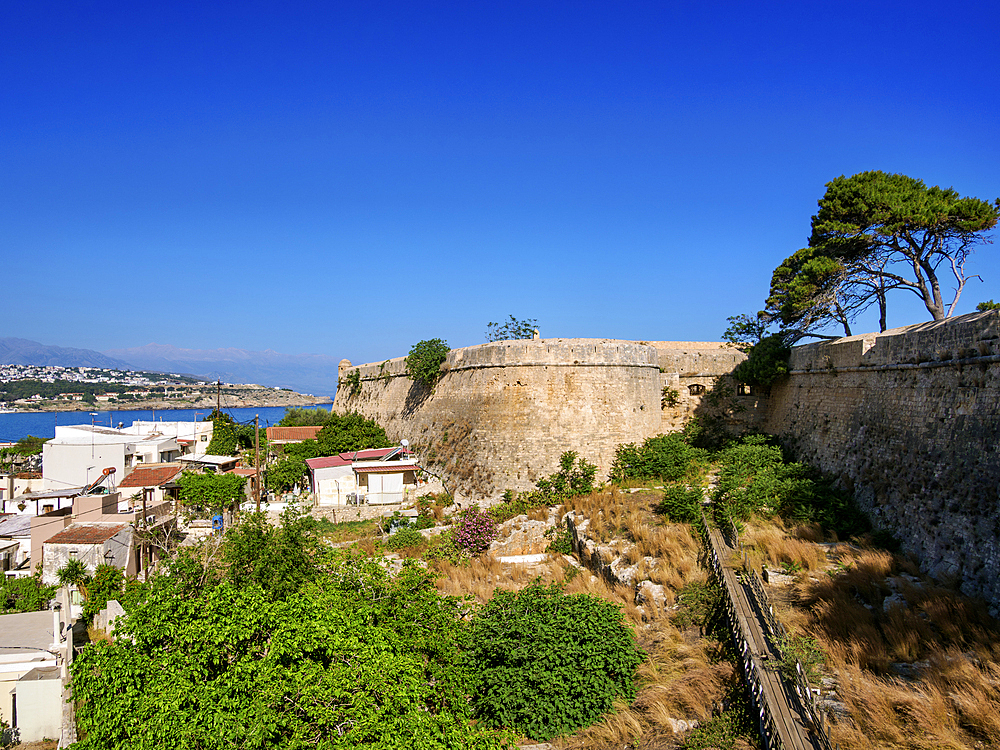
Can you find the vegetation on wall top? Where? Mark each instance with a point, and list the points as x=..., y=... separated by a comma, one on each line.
x=424, y=361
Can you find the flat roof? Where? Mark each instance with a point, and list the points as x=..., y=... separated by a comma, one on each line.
x=87, y=533
x=25, y=630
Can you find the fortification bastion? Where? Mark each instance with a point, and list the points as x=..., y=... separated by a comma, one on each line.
x=504, y=412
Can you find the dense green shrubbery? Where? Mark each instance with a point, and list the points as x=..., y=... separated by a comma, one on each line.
x=575, y=477
x=230, y=437
x=424, y=361
x=210, y=493
x=405, y=537
x=284, y=643
x=665, y=458
x=754, y=478
x=303, y=417
x=547, y=662
x=24, y=595
x=680, y=504
x=341, y=433
x=766, y=362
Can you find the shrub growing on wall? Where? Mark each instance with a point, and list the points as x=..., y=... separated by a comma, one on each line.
x=547, y=662
x=424, y=361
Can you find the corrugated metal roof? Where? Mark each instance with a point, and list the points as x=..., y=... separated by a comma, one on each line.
x=87, y=533
x=15, y=526
x=327, y=461
x=150, y=476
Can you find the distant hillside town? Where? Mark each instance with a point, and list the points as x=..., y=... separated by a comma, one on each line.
x=57, y=388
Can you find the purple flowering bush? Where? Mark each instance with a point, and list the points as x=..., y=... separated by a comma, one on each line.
x=475, y=531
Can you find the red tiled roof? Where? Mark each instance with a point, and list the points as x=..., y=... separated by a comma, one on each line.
x=150, y=476
x=292, y=434
x=327, y=461
x=87, y=533
x=243, y=471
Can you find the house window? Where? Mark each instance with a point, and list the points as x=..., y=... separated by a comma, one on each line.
x=204, y=438
x=744, y=390
x=74, y=553
x=696, y=389
x=48, y=508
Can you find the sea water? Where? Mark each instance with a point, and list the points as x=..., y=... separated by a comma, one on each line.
x=42, y=424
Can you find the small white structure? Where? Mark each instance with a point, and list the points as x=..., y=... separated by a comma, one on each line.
x=15, y=537
x=374, y=477
x=192, y=437
x=78, y=454
x=30, y=684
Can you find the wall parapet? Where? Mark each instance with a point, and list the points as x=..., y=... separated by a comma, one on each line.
x=963, y=338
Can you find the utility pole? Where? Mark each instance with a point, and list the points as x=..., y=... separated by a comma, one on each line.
x=218, y=396
x=256, y=460
x=145, y=530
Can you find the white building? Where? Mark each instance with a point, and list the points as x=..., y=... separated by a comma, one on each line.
x=370, y=477
x=193, y=437
x=78, y=454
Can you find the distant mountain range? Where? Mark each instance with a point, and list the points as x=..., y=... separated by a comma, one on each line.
x=305, y=373
x=24, y=352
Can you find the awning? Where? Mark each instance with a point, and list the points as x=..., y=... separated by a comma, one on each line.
x=388, y=468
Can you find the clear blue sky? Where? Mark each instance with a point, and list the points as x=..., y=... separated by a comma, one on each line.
x=348, y=178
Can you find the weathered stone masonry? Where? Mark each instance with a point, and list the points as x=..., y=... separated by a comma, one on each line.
x=909, y=420
x=504, y=412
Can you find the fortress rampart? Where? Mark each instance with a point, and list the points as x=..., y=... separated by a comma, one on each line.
x=909, y=420
x=504, y=412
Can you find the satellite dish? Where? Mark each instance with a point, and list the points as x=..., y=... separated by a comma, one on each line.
x=404, y=442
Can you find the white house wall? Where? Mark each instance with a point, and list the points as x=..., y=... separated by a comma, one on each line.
x=77, y=464
x=333, y=484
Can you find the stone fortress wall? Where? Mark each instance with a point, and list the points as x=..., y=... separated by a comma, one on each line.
x=504, y=412
x=909, y=420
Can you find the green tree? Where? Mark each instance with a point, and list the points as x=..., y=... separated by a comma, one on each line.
x=547, y=662
x=285, y=474
x=350, y=432
x=890, y=231
x=990, y=305
x=512, y=329
x=423, y=363
x=24, y=594
x=342, y=656
x=296, y=417
x=211, y=492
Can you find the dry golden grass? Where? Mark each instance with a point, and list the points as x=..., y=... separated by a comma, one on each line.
x=946, y=694
x=778, y=548
x=681, y=677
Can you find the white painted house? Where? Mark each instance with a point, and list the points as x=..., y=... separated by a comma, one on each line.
x=369, y=477
x=78, y=454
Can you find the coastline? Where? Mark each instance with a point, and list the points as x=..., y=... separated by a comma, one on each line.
x=231, y=398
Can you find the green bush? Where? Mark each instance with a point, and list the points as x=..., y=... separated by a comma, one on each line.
x=424, y=361
x=755, y=479
x=24, y=595
x=547, y=662
x=680, y=504
x=665, y=458
x=766, y=362
x=575, y=477
x=405, y=537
